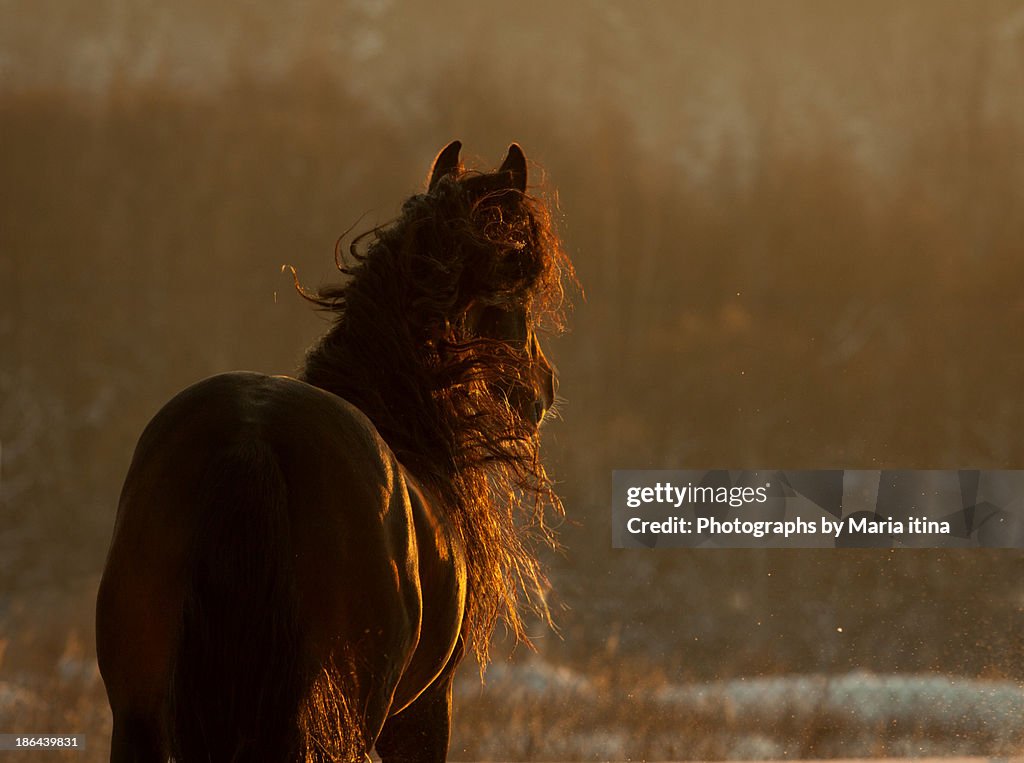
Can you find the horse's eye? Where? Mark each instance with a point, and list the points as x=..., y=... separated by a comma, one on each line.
x=504, y=325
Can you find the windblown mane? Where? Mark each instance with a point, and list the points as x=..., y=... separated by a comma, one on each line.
x=401, y=351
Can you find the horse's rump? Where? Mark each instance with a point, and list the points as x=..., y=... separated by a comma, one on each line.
x=294, y=496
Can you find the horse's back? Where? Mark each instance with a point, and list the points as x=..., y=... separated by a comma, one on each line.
x=283, y=494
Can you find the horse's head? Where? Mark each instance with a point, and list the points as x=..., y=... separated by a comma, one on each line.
x=531, y=393
x=498, y=301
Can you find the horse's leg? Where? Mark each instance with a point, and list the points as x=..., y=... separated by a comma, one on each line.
x=136, y=739
x=135, y=642
x=420, y=732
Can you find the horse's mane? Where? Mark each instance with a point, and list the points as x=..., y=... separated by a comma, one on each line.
x=401, y=351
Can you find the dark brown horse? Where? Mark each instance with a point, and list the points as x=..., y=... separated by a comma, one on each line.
x=299, y=565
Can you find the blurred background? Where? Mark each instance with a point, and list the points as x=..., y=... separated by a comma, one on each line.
x=799, y=228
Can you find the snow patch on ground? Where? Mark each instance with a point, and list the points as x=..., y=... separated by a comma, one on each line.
x=554, y=712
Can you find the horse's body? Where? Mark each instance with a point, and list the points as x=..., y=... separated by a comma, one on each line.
x=280, y=586
x=333, y=504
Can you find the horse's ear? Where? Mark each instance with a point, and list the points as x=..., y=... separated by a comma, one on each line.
x=515, y=164
x=447, y=162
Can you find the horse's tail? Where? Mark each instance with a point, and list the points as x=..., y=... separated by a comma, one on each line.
x=239, y=682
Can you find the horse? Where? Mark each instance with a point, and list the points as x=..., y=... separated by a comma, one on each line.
x=299, y=564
